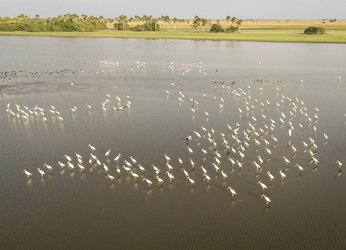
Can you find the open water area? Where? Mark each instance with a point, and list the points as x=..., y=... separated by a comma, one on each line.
x=145, y=98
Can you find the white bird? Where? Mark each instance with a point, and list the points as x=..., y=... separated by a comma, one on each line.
x=92, y=148
x=339, y=163
x=77, y=155
x=170, y=176
x=48, y=167
x=117, y=158
x=42, y=173
x=155, y=169
x=128, y=163
x=127, y=169
x=159, y=180
x=263, y=186
x=325, y=136
x=299, y=167
x=282, y=175
x=289, y=131
x=186, y=173
x=180, y=161
x=268, y=151
x=260, y=159
x=105, y=167
x=266, y=199
x=232, y=191
x=287, y=161
x=141, y=168
x=61, y=164
x=70, y=165
x=271, y=177
x=167, y=158
x=135, y=176
x=191, y=181
x=207, y=177
x=68, y=157
x=110, y=177
x=148, y=182
x=216, y=167
x=257, y=165
x=28, y=174
x=107, y=153
x=190, y=150
x=169, y=166
x=133, y=160
x=203, y=169
x=223, y=174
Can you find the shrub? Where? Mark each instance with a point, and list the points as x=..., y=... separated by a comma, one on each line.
x=216, y=28
x=231, y=29
x=315, y=30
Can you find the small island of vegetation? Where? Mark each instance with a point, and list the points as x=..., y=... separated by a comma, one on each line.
x=312, y=30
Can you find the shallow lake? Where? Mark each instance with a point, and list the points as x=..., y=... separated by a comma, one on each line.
x=145, y=98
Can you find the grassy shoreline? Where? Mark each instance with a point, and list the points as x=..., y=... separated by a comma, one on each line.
x=264, y=31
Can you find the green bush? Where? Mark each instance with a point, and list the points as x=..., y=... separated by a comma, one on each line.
x=216, y=28
x=7, y=27
x=314, y=30
x=231, y=29
x=147, y=27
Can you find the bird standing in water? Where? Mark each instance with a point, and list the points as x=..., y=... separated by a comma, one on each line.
x=232, y=191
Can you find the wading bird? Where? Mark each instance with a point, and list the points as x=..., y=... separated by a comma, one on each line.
x=266, y=199
x=232, y=191
x=28, y=174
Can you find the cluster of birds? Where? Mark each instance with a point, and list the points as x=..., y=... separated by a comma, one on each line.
x=259, y=132
x=214, y=153
x=13, y=77
x=26, y=113
x=7, y=77
x=184, y=68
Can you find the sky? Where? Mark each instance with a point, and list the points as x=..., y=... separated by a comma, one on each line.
x=181, y=9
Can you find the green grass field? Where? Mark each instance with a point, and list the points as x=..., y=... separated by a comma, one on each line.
x=262, y=31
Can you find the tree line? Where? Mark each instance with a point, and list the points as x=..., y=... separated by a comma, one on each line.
x=68, y=22
x=73, y=22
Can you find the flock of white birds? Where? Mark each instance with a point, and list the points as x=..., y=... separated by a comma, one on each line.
x=221, y=153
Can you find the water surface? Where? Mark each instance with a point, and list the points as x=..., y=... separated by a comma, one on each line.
x=86, y=210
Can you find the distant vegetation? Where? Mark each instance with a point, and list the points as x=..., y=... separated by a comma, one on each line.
x=67, y=22
x=312, y=30
x=84, y=23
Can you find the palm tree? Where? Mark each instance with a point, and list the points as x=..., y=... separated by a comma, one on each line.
x=167, y=20
x=74, y=17
x=123, y=19
x=234, y=20
x=204, y=23
x=175, y=20
x=228, y=19
x=239, y=22
x=196, y=22
x=162, y=18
